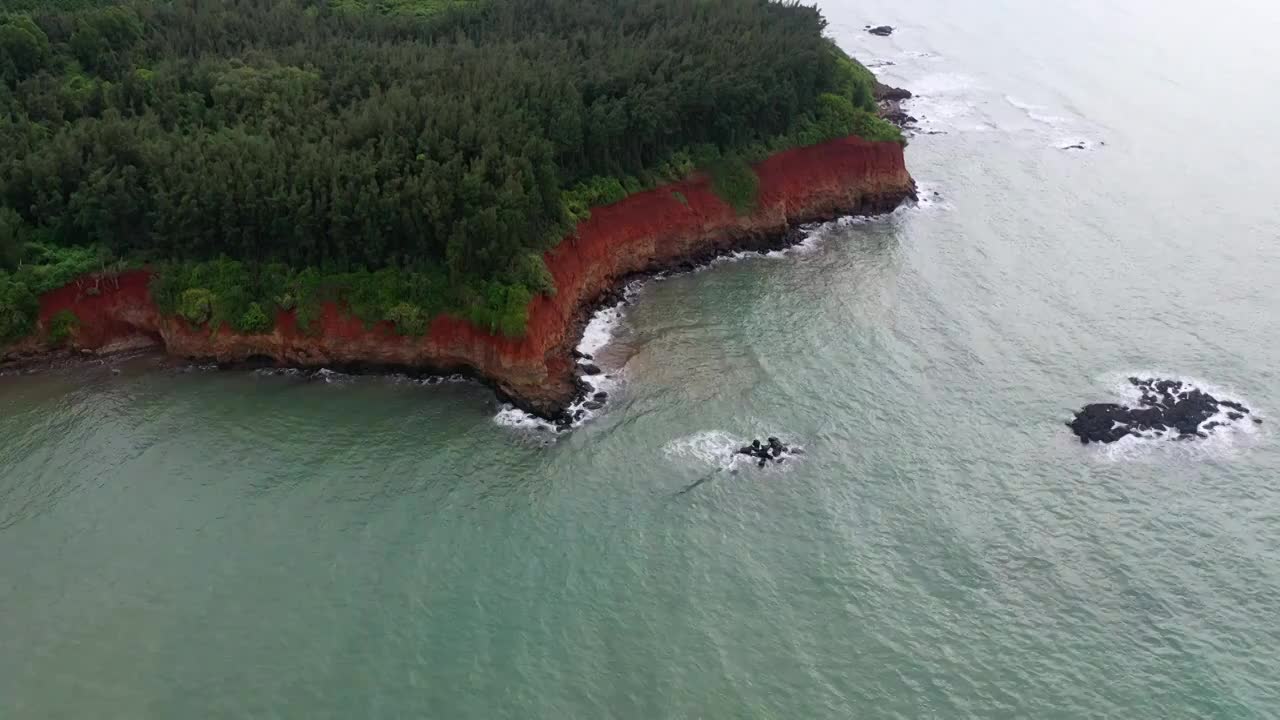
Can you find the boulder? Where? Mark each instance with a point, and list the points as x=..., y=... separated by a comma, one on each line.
x=888, y=92
x=881, y=30
x=771, y=450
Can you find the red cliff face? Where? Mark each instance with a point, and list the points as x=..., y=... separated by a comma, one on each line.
x=644, y=232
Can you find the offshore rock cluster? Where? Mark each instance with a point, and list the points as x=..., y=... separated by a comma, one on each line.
x=1167, y=408
x=772, y=450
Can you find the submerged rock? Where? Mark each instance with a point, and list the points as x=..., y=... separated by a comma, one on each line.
x=1166, y=408
x=881, y=30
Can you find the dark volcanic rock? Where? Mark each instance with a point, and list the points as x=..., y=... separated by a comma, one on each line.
x=1234, y=406
x=897, y=116
x=590, y=369
x=888, y=92
x=882, y=31
x=1166, y=407
x=772, y=450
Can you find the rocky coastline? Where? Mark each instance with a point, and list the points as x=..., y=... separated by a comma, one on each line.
x=668, y=229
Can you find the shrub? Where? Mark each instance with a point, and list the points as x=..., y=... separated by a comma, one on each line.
x=62, y=325
x=531, y=271
x=18, y=308
x=871, y=127
x=408, y=318
x=196, y=306
x=254, y=320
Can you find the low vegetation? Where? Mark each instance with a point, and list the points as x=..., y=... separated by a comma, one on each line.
x=62, y=326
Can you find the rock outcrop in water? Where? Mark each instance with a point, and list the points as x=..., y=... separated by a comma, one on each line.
x=889, y=100
x=772, y=450
x=667, y=228
x=881, y=30
x=1167, y=408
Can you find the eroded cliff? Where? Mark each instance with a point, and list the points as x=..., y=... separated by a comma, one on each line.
x=646, y=232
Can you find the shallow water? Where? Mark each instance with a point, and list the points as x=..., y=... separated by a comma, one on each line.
x=177, y=544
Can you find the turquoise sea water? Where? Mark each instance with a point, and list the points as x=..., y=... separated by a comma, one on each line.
x=187, y=543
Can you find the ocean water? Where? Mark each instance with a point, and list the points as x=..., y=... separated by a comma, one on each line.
x=179, y=542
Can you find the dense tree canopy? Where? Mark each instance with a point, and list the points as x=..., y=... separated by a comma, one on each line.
x=408, y=156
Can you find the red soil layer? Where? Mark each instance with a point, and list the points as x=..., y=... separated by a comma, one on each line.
x=645, y=232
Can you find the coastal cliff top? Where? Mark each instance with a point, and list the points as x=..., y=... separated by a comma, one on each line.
x=406, y=158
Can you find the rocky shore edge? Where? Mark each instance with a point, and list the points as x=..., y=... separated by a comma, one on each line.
x=668, y=230
x=559, y=414
x=562, y=414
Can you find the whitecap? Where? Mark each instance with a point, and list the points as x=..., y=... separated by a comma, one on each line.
x=513, y=417
x=1039, y=113
x=707, y=449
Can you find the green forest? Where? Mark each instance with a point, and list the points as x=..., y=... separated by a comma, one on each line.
x=404, y=157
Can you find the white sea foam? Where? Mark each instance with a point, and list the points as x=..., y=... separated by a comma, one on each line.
x=604, y=323
x=709, y=449
x=718, y=450
x=600, y=329
x=943, y=84
x=1039, y=113
x=921, y=55
x=942, y=102
x=1226, y=440
x=401, y=378
x=1023, y=105
x=278, y=372
x=928, y=198
x=331, y=377
x=513, y=417
x=597, y=335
